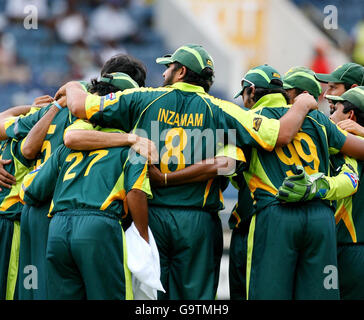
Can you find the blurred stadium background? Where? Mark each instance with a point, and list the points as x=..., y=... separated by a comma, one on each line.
x=73, y=39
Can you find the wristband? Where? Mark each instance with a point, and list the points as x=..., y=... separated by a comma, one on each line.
x=165, y=179
x=57, y=105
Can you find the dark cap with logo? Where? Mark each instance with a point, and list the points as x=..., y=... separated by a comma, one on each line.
x=355, y=96
x=263, y=76
x=119, y=80
x=302, y=78
x=350, y=73
x=192, y=56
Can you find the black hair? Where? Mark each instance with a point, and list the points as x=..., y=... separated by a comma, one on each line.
x=298, y=91
x=261, y=92
x=347, y=86
x=204, y=80
x=126, y=64
x=359, y=114
x=102, y=88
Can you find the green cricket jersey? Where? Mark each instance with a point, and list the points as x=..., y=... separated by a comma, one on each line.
x=316, y=140
x=187, y=125
x=18, y=128
x=349, y=210
x=243, y=209
x=10, y=203
x=98, y=179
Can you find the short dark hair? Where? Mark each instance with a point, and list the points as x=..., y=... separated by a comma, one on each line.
x=261, y=92
x=204, y=80
x=298, y=91
x=102, y=88
x=359, y=114
x=347, y=86
x=126, y=64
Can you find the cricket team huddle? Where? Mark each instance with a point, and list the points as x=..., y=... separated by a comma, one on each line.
x=75, y=174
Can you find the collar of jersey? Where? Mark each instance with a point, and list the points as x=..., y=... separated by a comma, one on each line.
x=271, y=100
x=184, y=86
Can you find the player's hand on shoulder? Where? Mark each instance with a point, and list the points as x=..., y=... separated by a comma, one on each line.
x=145, y=147
x=62, y=90
x=62, y=101
x=6, y=179
x=42, y=101
x=352, y=127
x=306, y=100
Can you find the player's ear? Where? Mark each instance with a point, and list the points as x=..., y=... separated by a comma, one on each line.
x=252, y=93
x=352, y=115
x=183, y=71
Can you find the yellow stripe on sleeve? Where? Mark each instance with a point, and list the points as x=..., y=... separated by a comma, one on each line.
x=262, y=129
x=142, y=182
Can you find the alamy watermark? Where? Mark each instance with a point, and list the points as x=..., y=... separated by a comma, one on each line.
x=331, y=21
x=181, y=147
x=31, y=18
x=31, y=280
x=331, y=280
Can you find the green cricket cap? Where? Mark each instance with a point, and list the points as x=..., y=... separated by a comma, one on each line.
x=302, y=78
x=263, y=76
x=354, y=96
x=119, y=80
x=350, y=73
x=192, y=56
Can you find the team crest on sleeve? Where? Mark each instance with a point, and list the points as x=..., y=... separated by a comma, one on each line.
x=111, y=96
x=353, y=178
x=256, y=123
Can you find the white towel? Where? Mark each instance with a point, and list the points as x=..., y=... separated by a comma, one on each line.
x=143, y=263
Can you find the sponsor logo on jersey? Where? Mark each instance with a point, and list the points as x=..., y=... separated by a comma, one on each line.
x=111, y=96
x=353, y=178
x=256, y=123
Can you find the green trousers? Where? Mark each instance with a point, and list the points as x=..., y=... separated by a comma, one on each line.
x=291, y=253
x=350, y=260
x=190, y=248
x=34, y=225
x=237, y=262
x=9, y=257
x=86, y=257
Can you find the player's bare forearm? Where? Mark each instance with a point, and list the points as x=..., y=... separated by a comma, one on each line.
x=93, y=139
x=78, y=139
x=76, y=98
x=292, y=121
x=11, y=112
x=35, y=138
x=352, y=127
x=353, y=147
x=199, y=172
x=15, y=111
x=138, y=207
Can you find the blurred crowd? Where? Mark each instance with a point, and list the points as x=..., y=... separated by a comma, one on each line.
x=70, y=40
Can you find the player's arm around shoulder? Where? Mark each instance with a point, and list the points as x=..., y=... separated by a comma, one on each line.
x=38, y=185
x=83, y=135
x=138, y=190
x=345, y=183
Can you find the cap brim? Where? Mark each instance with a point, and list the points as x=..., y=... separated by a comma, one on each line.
x=334, y=98
x=238, y=94
x=287, y=86
x=325, y=78
x=164, y=60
